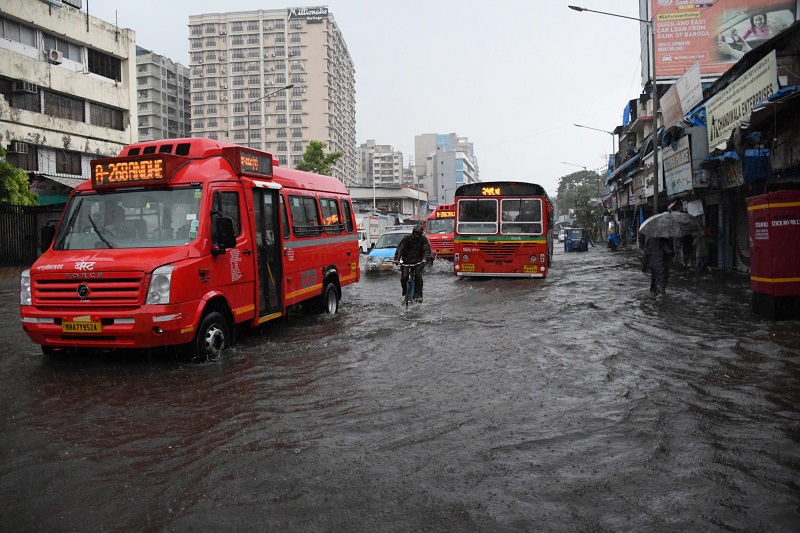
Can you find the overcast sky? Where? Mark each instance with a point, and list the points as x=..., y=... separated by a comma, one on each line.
x=511, y=76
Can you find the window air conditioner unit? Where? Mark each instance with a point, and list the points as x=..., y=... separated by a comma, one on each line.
x=18, y=147
x=223, y=32
x=54, y=56
x=24, y=87
x=200, y=60
x=200, y=74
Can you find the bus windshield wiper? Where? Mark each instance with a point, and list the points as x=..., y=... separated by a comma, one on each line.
x=97, y=230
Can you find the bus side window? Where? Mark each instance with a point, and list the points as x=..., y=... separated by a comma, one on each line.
x=284, y=218
x=331, y=219
x=227, y=205
x=348, y=215
x=305, y=217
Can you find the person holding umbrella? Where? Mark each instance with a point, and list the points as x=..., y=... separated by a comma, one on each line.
x=659, y=253
x=660, y=229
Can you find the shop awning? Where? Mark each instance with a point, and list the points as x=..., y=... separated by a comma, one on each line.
x=63, y=180
x=623, y=167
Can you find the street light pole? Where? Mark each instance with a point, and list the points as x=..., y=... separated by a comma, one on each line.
x=273, y=93
x=652, y=37
x=613, y=139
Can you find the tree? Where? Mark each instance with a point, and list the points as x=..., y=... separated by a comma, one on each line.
x=316, y=160
x=578, y=193
x=14, y=184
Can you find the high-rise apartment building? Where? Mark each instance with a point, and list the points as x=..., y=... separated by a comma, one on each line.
x=381, y=165
x=67, y=81
x=444, y=163
x=274, y=79
x=162, y=97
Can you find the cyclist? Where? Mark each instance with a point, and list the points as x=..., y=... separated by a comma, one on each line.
x=413, y=249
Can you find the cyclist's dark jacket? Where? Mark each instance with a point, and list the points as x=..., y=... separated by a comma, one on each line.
x=413, y=248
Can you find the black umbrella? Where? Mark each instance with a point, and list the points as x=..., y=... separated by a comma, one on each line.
x=670, y=224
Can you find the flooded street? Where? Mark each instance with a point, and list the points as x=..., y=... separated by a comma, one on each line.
x=575, y=403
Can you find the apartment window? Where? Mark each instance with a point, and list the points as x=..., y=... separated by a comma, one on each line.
x=297, y=105
x=280, y=105
x=211, y=41
x=237, y=26
x=60, y=106
x=198, y=83
x=280, y=38
x=198, y=124
x=211, y=96
x=238, y=135
x=281, y=119
x=196, y=43
x=280, y=25
x=237, y=53
x=297, y=133
x=238, y=121
x=197, y=97
x=212, y=109
x=297, y=92
x=197, y=30
x=253, y=93
x=28, y=161
x=238, y=80
x=281, y=147
x=238, y=107
x=297, y=78
x=255, y=134
x=212, y=122
x=253, y=39
x=283, y=160
x=211, y=55
x=280, y=79
x=68, y=162
x=212, y=82
x=238, y=67
x=255, y=120
x=197, y=110
x=69, y=50
x=237, y=40
x=297, y=146
x=211, y=69
x=281, y=132
x=106, y=117
x=254, y=79
x=297, y=118
x=252, y=25
x=296, y=25
x=105, y=65
x=295, y=38
x=210, y=28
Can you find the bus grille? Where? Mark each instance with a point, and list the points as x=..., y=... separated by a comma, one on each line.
x=119, y=289
x=498, y=251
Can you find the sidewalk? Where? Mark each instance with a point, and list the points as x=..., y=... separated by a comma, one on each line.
x=9, y=277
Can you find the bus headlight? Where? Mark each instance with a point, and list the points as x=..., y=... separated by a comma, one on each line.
x=465, y=257
x=25, y=288
x=160, y=285
x=533, y=259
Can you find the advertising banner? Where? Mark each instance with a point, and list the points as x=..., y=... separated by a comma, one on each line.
x=681, y=98
x=678, y=167
x=714, y=33
x=732, y=106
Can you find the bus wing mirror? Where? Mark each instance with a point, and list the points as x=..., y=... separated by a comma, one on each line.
x=46, y=236
x=224, y=236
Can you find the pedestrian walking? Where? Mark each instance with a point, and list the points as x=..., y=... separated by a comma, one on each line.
x=659, y=253
x=700, y=245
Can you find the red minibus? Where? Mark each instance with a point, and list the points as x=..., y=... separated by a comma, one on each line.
x=176, y=242
x=503, y=229
x=439, y=229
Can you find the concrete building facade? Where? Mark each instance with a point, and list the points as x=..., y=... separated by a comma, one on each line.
x=275, y=80
x=67, y=82
x=444, y=163
x=162, y=94
x=380, y=165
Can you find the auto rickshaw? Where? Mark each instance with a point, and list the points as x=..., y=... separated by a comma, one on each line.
x=576, y=240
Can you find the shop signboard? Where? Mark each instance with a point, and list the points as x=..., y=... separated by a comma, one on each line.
x=678, y=167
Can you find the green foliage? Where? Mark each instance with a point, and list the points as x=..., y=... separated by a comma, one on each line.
x=578, y=193
x=14, y=184
x=316, y=160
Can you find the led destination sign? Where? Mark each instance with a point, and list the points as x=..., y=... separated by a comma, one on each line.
x=134, y=170
x=249, y=162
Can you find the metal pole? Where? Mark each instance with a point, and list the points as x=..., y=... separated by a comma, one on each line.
x=656, y=178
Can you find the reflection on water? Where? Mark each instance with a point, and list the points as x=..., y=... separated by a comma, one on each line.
x=578, y=402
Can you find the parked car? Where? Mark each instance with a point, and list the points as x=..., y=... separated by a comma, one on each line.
x=381, y=257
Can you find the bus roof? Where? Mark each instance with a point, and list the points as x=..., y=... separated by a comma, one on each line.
x=199, y=148
x=507, y=188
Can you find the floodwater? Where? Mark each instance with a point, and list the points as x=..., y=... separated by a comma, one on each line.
x=574, y=403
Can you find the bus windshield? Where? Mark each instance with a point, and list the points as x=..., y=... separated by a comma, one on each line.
x=440, y=225
x=130, y=219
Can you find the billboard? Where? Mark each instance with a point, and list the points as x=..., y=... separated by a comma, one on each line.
x=716, y=33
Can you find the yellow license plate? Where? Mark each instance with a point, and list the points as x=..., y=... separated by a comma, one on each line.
x=81, y=327
x=387, y=267
x=469, y=267
x=445, y=251
x=530, y=268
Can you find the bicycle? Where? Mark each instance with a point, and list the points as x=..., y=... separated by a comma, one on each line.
x=412, y=279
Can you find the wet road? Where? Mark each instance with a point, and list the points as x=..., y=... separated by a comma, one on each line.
x=575, y=403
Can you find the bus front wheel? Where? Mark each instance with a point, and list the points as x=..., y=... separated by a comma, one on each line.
x=330, y=299
x=213, y=336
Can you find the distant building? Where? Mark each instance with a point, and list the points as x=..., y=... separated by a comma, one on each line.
x=380, y=165
x=67, y=82
x=444, y=163
x=162, y=94
x=241, y=61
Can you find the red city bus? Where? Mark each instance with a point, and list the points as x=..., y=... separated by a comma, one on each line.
x=177, y=242
x=503, y=229
x=439, y=229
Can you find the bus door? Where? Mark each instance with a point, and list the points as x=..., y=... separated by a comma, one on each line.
x=265, y=206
